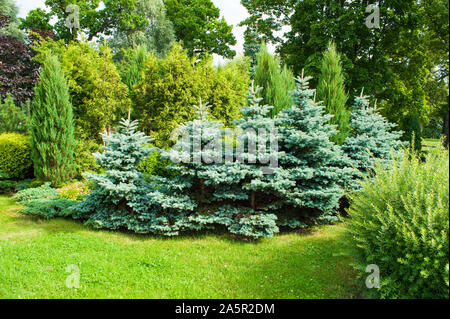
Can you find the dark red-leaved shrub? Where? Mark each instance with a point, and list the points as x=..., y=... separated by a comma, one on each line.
x=18, y=72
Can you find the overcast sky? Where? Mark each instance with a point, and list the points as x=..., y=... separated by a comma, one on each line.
x=232, y=10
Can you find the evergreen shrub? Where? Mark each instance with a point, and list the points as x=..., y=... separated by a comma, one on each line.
x=44, y=191
x=52, y=127
x=118, y=199
x=49, y=208
x=15, y=155
x=371, y=137
x=154, y=165
x=12, y=117
x=84, y=161
x=314, y=171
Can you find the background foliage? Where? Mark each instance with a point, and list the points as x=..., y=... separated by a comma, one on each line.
x=97, y=93
x=198, y=26
x=171, y=85
x=391, y=62
x=13, y=118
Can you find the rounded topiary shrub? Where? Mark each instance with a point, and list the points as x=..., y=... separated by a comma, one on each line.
x=15, y=155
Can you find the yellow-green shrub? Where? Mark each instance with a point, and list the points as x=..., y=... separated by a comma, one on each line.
x=154, y=165
x=15, y=155
x=169, y=88
x=74, y=191
x=84, y=160
x=400, y=222
x=98, y=96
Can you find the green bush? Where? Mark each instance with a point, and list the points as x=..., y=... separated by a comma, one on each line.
x=400, y=222
x=7, y=187
x=44, y=202
x=98, y=96
x=12, y=117
x=15, y=155
x=170, y=86
x=433, y=129
x=36, y=183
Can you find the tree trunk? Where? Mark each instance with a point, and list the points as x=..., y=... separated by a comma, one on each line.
x=202, y=187
x=253, y=199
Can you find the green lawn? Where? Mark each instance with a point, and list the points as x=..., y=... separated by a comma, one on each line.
x=34, y=255
x=429, y=143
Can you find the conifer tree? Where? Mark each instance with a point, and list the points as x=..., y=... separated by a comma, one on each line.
x=132, y=67
x=52, y=128
x=315, y=170
x=371, y=137
x=218, y=187
x=122, y=199
x=331, y=91
x=119, y=198
x=252, y=46
x=258, y=131
x=187, y=200
x=197, y=152
x=414, y=132
x=276, y=81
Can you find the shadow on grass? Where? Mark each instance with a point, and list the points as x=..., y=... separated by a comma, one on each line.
x=314, y=266
x=70, y=225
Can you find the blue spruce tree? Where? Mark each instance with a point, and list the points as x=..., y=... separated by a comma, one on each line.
x=208, y=189
x=314, y=171
x=258, y=141
x=195, y=154
x=249, y=179
x=371, y=137
x=119, y=197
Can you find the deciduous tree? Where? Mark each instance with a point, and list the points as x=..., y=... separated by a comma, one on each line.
x=199, y=27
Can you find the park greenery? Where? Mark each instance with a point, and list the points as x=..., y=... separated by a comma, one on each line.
x=123, y=122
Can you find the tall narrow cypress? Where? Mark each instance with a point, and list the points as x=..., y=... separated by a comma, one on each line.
x=277, y=81
x=52, y=128
x=414, y=132
x=331, y=91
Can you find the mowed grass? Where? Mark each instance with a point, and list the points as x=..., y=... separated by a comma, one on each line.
x=35, y=255
x=430, y=143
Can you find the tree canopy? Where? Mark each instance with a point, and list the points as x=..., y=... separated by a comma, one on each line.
x=199, y=27
x=9, y=22
x=157, y=35
x=96, y=17
x=391, y=62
